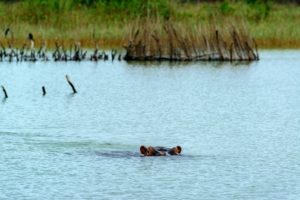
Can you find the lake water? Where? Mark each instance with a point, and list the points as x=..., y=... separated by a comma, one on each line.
x=238, y=125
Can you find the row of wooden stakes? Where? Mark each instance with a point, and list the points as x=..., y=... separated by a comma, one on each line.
x=28, y=52
x=44, y=89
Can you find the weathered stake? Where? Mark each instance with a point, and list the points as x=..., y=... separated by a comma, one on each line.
x=71, y=84
x=4, y=91
x=44, y=90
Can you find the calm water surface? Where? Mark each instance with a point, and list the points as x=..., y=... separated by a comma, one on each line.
x=238, y=125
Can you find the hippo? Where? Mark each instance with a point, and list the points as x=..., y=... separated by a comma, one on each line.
x=160, y=151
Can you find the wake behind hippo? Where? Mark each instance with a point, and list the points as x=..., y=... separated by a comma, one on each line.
x=160, y=151
x=118, y=154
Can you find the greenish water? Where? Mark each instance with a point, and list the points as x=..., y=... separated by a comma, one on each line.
x=238, y=125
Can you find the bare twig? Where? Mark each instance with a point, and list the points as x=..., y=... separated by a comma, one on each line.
x=71, y=84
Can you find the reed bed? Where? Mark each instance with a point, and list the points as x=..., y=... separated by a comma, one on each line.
x=166, y=41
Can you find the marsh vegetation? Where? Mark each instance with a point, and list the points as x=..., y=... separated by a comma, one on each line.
x=110, y=22
x=206, y=43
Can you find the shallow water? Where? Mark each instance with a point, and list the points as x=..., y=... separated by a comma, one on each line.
x=238, y=125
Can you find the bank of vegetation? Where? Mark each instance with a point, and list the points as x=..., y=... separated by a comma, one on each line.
x=109, y=23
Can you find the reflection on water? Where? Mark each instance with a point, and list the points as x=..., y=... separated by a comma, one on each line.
x=238, y=124
x=174, y=64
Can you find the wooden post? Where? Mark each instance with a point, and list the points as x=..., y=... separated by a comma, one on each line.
x=44, y=90
x=4, y=91
x=71, y=84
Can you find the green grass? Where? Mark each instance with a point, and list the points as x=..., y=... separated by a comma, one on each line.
x=110, y=21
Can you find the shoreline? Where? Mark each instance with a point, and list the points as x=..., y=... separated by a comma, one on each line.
x=119, y=43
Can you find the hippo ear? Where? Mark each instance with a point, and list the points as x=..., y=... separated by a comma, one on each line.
x=179, y=149
x=143, y=150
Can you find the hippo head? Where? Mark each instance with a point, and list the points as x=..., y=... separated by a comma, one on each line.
x=175, y=150
x=151, y=151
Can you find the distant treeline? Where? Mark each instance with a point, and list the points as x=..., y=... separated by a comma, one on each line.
x=247, y=1
x=36, y=11
x=125, y=2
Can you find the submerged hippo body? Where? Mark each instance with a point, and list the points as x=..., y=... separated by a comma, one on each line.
x=160, y=151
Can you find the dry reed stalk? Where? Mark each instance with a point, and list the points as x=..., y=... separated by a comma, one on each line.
x=218, y=46
x=158, y=45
